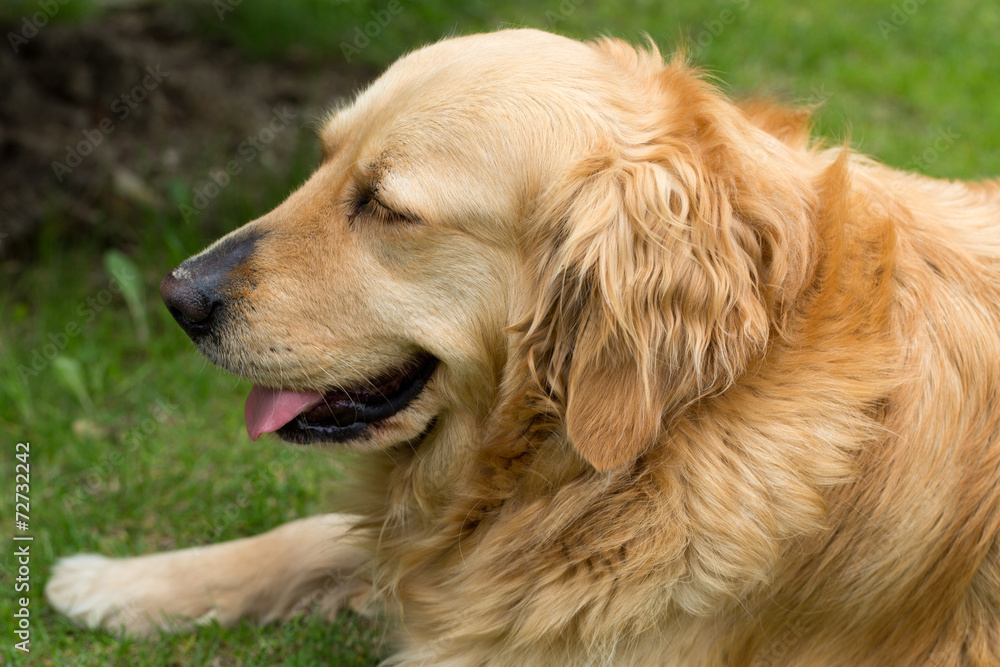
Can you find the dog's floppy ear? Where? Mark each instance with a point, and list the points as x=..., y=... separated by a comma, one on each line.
x=650, y=298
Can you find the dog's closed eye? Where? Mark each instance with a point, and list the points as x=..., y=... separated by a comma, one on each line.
x=364, y=204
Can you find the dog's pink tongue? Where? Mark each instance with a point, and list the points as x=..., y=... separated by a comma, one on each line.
x=268, y=410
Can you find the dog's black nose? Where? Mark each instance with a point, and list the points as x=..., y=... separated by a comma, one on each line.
x=188, y=300
x=196, y=292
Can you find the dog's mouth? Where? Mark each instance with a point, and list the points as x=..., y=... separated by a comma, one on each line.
x=336, y=415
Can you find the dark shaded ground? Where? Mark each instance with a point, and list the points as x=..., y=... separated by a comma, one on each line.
x=102, y=121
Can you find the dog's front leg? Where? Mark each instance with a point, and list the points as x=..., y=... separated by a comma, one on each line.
x=265, y=578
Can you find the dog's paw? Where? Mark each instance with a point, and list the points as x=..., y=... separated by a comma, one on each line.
x=83, y=588
x=270, y=577
x=120, y=595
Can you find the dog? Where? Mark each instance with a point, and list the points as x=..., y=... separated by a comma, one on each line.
x=636, y=375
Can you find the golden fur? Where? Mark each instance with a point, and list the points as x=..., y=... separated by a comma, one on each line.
x=708, y=395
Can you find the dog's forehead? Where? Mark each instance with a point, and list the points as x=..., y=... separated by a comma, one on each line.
x=478, y=123
x=475, y=64
x=465, y=85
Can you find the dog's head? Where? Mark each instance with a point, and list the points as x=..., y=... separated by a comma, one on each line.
x=605, y=235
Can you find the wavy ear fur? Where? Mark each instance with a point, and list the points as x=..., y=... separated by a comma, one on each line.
x=658, y=281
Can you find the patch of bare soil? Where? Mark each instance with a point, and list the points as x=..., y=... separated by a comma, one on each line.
x=98, y=119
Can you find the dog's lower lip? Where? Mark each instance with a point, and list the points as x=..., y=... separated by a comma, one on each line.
x=346, y=414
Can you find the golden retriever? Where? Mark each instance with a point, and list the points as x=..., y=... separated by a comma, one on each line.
x=638, y=376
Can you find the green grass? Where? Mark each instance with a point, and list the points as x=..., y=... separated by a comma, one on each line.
x=137, y=443
x=888, y=80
